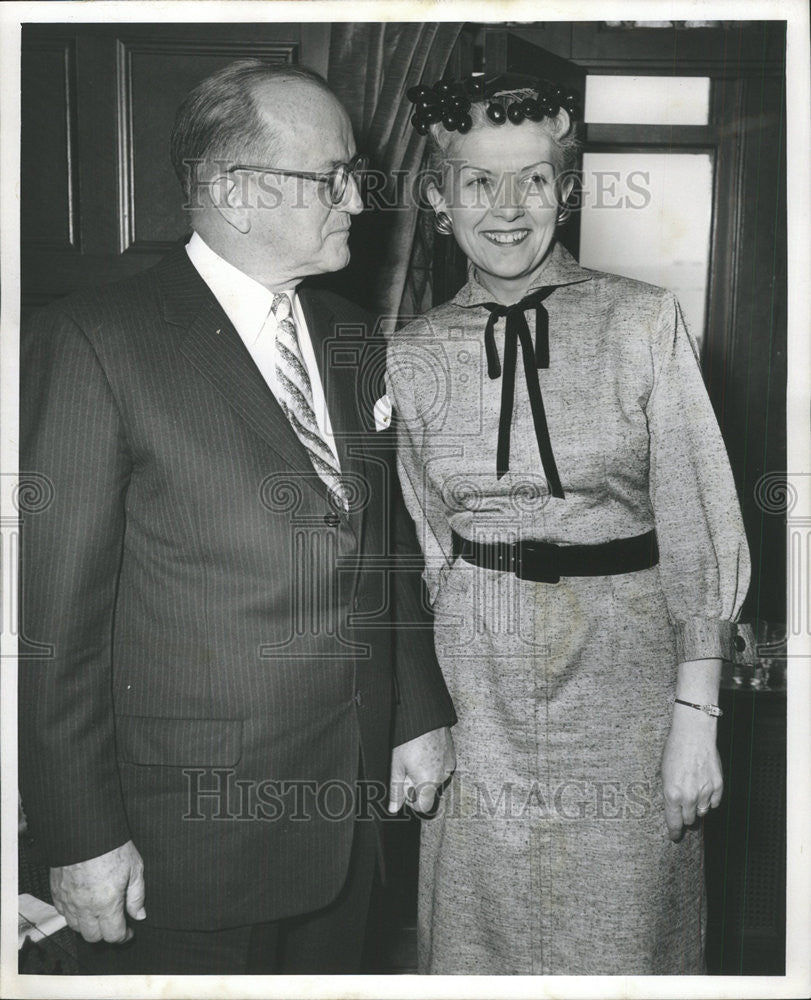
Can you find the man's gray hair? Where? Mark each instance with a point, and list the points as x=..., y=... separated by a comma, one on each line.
x=219, y=120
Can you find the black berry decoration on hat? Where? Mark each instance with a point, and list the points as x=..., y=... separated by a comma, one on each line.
x=571, y=101
x=505, y=97
x=474, y=86
x=515, y=112
x=448, y=103
x=531, y=109
x=420, y=125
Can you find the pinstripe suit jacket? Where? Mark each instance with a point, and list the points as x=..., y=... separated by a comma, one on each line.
x=205, y=653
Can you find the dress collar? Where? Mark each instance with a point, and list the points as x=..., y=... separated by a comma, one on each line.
x=560, y=268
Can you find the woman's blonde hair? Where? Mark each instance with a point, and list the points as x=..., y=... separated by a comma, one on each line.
x=560, y=128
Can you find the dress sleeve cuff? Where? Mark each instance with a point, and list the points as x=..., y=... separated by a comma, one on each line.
x=707, y=638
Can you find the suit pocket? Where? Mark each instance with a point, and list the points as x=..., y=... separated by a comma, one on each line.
x=144, y=739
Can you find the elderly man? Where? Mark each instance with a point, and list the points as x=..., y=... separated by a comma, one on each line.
x=213, y=574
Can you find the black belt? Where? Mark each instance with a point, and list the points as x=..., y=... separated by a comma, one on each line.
x=545, y=562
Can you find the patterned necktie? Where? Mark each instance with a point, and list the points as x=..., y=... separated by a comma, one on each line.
x=296, y=398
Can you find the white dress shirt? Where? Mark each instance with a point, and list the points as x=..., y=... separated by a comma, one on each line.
x=247, y=304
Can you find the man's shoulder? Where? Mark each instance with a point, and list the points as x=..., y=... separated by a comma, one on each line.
x=341, y=310
x=124, y=300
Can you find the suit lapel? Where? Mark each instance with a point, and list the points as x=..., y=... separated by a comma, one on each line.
x=338, y=368
x=338, y=379
x=214, y=347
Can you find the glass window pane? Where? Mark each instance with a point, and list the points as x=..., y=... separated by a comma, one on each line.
x=648, y=216
x=648, y=100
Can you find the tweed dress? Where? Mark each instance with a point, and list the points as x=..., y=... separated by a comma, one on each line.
x=549, y=852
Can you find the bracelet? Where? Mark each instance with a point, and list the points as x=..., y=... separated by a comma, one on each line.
x=712, y=710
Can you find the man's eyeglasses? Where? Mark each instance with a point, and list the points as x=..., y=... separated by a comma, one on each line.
x=336, y=179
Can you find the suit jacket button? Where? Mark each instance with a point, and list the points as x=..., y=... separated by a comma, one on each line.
x=332, y=519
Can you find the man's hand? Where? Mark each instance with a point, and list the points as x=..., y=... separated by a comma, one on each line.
x=91, y=895
x=692, y=780
x=419, y=768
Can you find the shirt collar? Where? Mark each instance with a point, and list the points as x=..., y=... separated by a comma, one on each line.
x=244, y=300
x=559, y=268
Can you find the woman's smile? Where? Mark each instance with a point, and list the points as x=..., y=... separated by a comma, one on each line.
x=505, y=237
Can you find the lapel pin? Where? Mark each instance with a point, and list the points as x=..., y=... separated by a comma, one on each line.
x=218, y=332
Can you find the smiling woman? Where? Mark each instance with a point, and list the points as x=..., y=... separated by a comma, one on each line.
x=503, y=200
x=586, y=559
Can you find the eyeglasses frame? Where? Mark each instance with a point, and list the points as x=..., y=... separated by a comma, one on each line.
x=359, y=159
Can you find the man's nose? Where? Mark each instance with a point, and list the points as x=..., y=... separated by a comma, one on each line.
x=352, y=202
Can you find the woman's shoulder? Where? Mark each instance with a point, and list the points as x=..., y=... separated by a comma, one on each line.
x=630, y=289
x=432, y=326
x=633, y=312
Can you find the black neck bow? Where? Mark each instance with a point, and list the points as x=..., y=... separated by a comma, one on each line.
x=534, y=358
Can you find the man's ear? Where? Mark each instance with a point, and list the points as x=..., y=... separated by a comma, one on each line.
x=435, y=198
x=230, y=198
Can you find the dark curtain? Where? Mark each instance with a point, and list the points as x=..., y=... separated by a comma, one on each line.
x=371, y=66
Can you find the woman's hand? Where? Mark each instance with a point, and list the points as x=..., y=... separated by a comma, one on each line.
x=692, y=780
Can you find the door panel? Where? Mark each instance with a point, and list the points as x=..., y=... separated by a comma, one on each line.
x=154, y=76
x=48, y=162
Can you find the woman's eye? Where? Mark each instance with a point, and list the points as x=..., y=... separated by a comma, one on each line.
x=537, y=180
x=480, y=182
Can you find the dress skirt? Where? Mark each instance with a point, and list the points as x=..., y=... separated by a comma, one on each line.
x=549, y=851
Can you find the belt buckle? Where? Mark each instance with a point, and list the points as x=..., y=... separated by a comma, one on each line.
x=526, y=550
